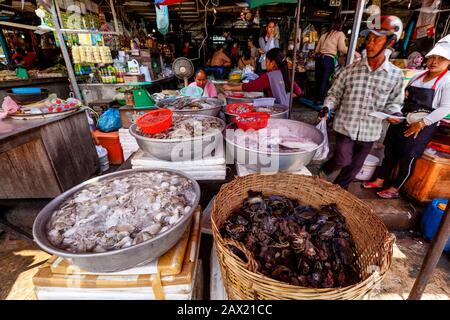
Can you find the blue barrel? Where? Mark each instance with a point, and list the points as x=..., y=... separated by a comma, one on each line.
x=431, y=219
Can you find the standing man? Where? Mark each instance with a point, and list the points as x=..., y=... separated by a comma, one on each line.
x=372, y=84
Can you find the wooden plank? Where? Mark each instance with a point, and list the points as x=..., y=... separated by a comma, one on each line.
x=8, y=179
x=72, y=152
x=30, y=174
x=13, y=142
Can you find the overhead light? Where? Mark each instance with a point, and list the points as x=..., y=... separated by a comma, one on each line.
x=349, y=31
x=153, y=30
x=242, y=4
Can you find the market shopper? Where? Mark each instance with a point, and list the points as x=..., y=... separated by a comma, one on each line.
x=372, y=84
x=246, y=60
x=252, y=48
x=428, y=96
x=330, y=45
x=276, y=82
x=201, y=81
x=267, y=42
x=220, y=58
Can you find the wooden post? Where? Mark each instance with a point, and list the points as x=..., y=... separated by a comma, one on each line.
x=432, y=256
x=294, y=58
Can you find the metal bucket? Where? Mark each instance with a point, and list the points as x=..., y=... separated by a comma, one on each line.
x=120, y=259
x=180, y=149
x=260, y=161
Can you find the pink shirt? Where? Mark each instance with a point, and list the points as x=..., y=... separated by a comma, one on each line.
x=210, y=90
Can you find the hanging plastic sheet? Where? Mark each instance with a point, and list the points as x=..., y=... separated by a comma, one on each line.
x=162, y=18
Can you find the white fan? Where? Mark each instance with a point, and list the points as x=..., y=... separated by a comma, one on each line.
x=183, y=69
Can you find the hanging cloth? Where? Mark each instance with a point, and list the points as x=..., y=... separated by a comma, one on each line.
x=162, y=19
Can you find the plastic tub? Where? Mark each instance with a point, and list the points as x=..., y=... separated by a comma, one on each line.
x=264, y=102
x=155, y=121
x=29, y=90
x=110, y=141
x=368, y=169
x=431, y=219
x=252, y=120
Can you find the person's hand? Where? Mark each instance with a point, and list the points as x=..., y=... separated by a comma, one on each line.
x=394, y=120
x=414, y=129
x=323, y=113
x=227, y=87
x=260, y=51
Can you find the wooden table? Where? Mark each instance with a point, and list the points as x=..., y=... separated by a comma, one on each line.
x=43, y=158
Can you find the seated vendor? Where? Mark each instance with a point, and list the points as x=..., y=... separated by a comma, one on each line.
x=220, y=59
x=246, y=60
x=201, y=81
x=276, y=82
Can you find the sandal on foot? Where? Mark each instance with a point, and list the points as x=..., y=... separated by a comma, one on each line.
x=370, y=185
x=385, y=194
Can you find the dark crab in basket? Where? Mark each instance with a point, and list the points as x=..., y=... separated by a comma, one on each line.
x=293, y=243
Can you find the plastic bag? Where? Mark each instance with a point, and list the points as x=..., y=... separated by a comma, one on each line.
x=109, y=121
x=8, y=106
x=162, y=19
x=322, y=153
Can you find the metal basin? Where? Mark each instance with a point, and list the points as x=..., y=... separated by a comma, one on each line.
x=216, y=106
x=282, y=115
x=247, y=98
x=120, y=259
x=260, y=161
x=180, y=149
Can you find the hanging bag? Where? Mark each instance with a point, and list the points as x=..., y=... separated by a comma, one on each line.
x=322, y=153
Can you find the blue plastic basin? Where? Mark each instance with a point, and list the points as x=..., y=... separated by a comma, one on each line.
x=28, y=90
x=431, y=219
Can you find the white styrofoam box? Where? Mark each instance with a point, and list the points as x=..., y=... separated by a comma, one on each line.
x=243, y=171
x=216, y=287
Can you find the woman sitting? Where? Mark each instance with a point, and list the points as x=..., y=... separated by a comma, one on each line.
x=201, y=81
x=246, y=60
x=276, y=82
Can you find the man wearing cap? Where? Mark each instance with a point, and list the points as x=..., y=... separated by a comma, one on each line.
x=371, y=84
x=427, y=102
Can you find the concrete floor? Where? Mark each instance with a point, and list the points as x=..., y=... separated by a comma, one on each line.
x=19, y=259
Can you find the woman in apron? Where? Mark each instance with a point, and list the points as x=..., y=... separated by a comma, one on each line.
x=276, y=82
x=427, y=101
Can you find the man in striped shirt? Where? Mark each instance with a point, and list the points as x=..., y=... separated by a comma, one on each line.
x=372, y=84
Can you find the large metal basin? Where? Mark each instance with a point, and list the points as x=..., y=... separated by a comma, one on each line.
x=180, y=149
x=260, y=161
x=120, y=259
x=282, y=115
x=213, y=111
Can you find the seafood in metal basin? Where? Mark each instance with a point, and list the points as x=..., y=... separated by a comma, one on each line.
x=189, y=103
x=121, y=212
x=300, y=245
x=186, y=127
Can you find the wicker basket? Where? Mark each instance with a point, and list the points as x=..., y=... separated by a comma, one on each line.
x=372, y=240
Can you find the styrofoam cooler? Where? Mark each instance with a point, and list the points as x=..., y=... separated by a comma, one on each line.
x=368, y=169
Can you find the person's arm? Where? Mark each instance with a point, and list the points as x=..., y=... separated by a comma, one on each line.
x=276, y=43
x=297, y=89
x=395, y=100
x=226, y=59
x=334, y=97
x=212, y=91
x=443, y=109
x=342, y=46
x=262, y=44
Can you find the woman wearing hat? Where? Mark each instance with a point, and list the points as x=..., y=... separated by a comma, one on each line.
x=427, y=101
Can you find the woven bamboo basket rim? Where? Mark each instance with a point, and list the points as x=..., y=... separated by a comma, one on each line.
x=267, y=284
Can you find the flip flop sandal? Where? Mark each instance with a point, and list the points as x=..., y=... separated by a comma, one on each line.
x=388, y=195
x=370, y=185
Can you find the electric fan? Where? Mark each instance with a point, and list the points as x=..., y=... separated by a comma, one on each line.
x=183, y=69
